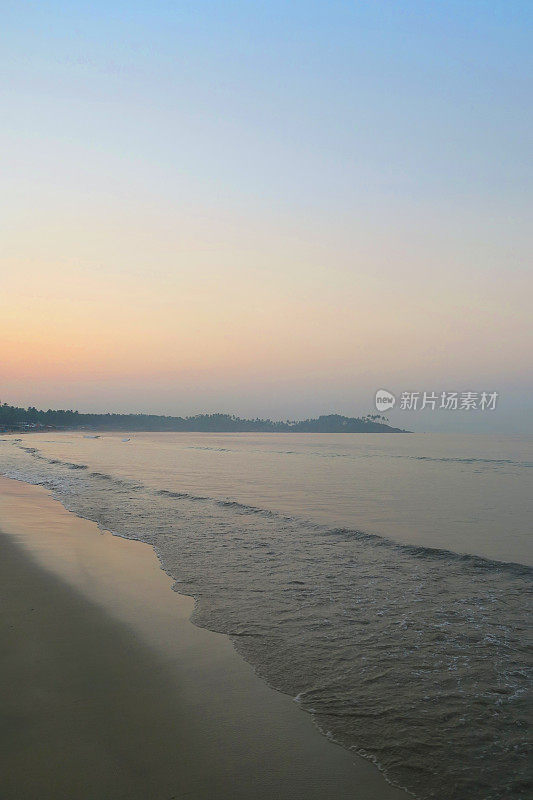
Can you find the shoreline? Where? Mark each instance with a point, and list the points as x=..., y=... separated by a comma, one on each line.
x=111, y=681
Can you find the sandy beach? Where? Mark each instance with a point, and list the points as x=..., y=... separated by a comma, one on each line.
x=111, y=692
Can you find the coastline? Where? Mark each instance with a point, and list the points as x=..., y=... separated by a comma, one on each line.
x=115, y=693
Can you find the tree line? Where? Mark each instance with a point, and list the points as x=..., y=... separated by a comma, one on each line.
x=13, y=417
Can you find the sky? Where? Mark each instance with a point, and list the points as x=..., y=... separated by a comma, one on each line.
x=266, y=208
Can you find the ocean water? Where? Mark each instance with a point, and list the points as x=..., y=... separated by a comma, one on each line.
x=384, y=581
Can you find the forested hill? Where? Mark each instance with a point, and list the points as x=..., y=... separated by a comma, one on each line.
x=14, y=418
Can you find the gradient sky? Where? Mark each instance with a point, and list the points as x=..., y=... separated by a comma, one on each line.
x=268, y=208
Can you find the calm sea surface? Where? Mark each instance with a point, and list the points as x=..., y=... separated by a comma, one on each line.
x=382, y=580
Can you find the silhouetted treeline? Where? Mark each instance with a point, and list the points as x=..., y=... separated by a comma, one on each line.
x=12, y=417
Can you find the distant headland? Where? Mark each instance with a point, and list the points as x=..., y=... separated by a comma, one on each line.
x=13, y=418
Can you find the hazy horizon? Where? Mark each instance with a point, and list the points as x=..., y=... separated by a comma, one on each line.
x=423, y=421
x=267, y=210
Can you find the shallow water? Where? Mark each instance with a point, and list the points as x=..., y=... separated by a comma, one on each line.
x=366, y=575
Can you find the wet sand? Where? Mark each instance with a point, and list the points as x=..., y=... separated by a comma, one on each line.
x=109, y=691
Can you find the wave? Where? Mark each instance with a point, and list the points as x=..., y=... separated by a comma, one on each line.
x=391, y=647
x=475, y=562
x=179, y=495
x=321, y=454
x=509, y=461
x=210, y=449
x=436, y=553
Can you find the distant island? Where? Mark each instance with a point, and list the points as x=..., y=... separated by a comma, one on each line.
x=13, y=418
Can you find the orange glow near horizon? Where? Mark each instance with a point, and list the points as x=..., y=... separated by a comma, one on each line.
x=229, y=318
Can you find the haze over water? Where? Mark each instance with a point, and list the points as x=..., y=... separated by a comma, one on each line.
x=413, y=656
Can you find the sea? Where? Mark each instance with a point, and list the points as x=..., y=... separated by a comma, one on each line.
x=382, y=580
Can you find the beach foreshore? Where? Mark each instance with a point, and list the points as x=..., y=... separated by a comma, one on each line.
x=109, y=691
